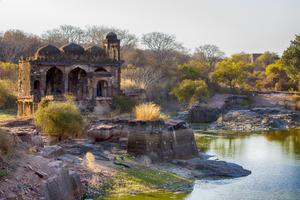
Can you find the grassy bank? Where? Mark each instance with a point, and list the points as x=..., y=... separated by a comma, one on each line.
x=146, y=183
x=8, y=114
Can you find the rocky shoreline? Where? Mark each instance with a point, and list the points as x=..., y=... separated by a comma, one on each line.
x=257, y=119
x=85, y=168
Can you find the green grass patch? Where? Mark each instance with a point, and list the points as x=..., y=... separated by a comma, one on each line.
x=3, y=173
x=8, y=114
x=146, y=182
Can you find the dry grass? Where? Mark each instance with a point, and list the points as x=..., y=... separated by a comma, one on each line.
x=147, y=112
x=131, y=84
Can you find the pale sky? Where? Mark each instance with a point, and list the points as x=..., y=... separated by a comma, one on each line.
x=249, y=26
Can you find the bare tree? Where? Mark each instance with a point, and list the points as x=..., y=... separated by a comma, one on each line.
x=15, y=44
x=209, y=54
x=161, y=44
x=96, y=34
x=65, y=34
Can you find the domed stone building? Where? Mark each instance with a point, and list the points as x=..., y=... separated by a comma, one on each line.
x=92, y=75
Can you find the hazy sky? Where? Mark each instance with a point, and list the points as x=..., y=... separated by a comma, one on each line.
x=233, y=25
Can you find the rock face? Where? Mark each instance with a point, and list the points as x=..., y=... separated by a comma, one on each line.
x=161, y=141
x=256, y=119
x=64, y=186
x=210, y=111
x=105, y=131
x=212, y=168
x=52, y=151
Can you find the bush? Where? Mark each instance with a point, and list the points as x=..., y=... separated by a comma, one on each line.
x=5, y=144
x=7, y=97
x=190, y=90
x=123, y=104
x=147, y=112
x=61, y=119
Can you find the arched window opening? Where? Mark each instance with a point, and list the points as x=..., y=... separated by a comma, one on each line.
x=36, y=85
x=100, y=69
x=78, y=83
x=54, y=82
x=36, y=90
x=102, y=89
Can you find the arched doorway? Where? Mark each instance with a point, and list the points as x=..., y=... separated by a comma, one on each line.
x=37, y=90
x=54, y=82
x=78, y=83
x=102, y=89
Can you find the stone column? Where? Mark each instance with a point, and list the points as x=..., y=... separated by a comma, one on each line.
x=66, y=82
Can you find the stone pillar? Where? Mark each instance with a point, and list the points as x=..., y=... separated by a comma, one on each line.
x=66, y=82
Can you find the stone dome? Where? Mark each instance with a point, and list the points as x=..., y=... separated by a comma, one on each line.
x=111, y=36
x=95, y=51
x=48, y=51
x=73, y=49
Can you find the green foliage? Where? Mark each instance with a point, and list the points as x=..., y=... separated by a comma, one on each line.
x=267, y=58
x=3, y=173
x=232, y=72
x=123, y=104
x=5, y=144
x=9, y=71
x=193, y=70
x=190, y=90
x=291, y=59
x=276, y=77
x=7, y=97
x=61, y=119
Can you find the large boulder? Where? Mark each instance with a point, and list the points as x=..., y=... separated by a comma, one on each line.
x=161, y=141
x=52, y=151
x=64, y=186
x=212, y=168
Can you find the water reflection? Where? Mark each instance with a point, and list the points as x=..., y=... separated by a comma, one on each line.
x=227, y=146
x=273, y=157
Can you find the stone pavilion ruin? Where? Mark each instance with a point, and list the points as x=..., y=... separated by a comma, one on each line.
x=92, y=75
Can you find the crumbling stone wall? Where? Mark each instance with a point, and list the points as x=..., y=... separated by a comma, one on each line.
x=160, y=141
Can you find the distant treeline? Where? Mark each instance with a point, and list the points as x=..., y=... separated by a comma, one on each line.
x=160, y=65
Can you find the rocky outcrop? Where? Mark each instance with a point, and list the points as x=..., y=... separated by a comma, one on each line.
x=104, y=131
x=257, y=119
x=64, y=186
x=213, y=108
x=212, y=168
x=161, y=141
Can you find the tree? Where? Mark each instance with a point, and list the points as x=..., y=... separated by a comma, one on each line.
x=65, y=34
x=291, y=59
x=267, y=58
x=161, y=44
x=193, y=69
x=96, y=34
x=231, y=72
x=190, y=90
x=15, y=44
x=276, y=77
x=209, y=54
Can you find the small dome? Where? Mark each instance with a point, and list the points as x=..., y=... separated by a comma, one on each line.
x=111, y=36
x=73, y=48
x=48, y=51
x=95, y=51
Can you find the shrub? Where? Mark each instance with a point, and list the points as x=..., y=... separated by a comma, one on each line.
x=147, y=112
x=5, y=144
x=7, y=97
x=61, y=119
x=123, y=104
x=190, y=90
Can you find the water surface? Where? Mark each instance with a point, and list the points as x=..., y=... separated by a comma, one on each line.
x=273, y=157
